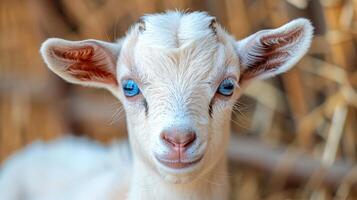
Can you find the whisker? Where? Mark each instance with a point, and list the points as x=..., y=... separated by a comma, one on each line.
x=117, y=115
x=239, y=124
x=241, y=115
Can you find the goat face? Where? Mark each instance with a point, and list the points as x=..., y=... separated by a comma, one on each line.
x=178, y=118
x=178, y=76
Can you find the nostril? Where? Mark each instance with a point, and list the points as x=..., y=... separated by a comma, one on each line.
x=190, y=138
x=178, y=138
x=169, y=140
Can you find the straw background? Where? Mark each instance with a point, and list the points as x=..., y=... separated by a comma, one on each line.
x=295, y=136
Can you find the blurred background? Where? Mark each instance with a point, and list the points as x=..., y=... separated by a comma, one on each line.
x=295, y=136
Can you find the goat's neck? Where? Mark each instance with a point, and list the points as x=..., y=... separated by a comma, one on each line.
x=146, y=184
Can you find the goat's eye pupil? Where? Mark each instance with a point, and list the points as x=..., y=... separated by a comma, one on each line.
x=130, y=88
x=226, y=88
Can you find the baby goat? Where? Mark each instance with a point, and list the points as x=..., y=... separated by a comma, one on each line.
x=178, y=76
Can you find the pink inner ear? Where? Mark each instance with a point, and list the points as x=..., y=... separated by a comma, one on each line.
x=271, y=52
x=89, y=64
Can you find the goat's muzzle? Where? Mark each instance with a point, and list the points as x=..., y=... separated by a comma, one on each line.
x=178, y=141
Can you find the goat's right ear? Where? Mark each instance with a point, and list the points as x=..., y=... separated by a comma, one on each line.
x=87, y=62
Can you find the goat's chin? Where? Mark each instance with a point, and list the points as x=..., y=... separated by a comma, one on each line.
x=180, y=176
x=179, y=179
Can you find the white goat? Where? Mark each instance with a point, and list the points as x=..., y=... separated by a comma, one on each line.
x=177, y=76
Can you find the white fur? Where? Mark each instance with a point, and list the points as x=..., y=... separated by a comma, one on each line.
x=178, y=62
x=69, y=168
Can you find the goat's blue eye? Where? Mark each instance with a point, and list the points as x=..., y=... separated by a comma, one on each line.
x=226, y=87
x=130, y=88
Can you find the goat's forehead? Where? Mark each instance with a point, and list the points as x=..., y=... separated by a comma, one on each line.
x=175, y=29
x=203, y=61
x=176, y=46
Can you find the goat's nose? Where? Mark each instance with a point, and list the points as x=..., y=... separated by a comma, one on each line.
x=178, y=138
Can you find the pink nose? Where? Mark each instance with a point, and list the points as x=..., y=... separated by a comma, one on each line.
x=178, y=139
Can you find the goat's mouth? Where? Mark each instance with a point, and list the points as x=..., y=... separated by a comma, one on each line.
x=178, y=164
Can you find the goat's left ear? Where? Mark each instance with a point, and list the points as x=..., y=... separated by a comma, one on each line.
x=86, y=62
x=271, y=52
